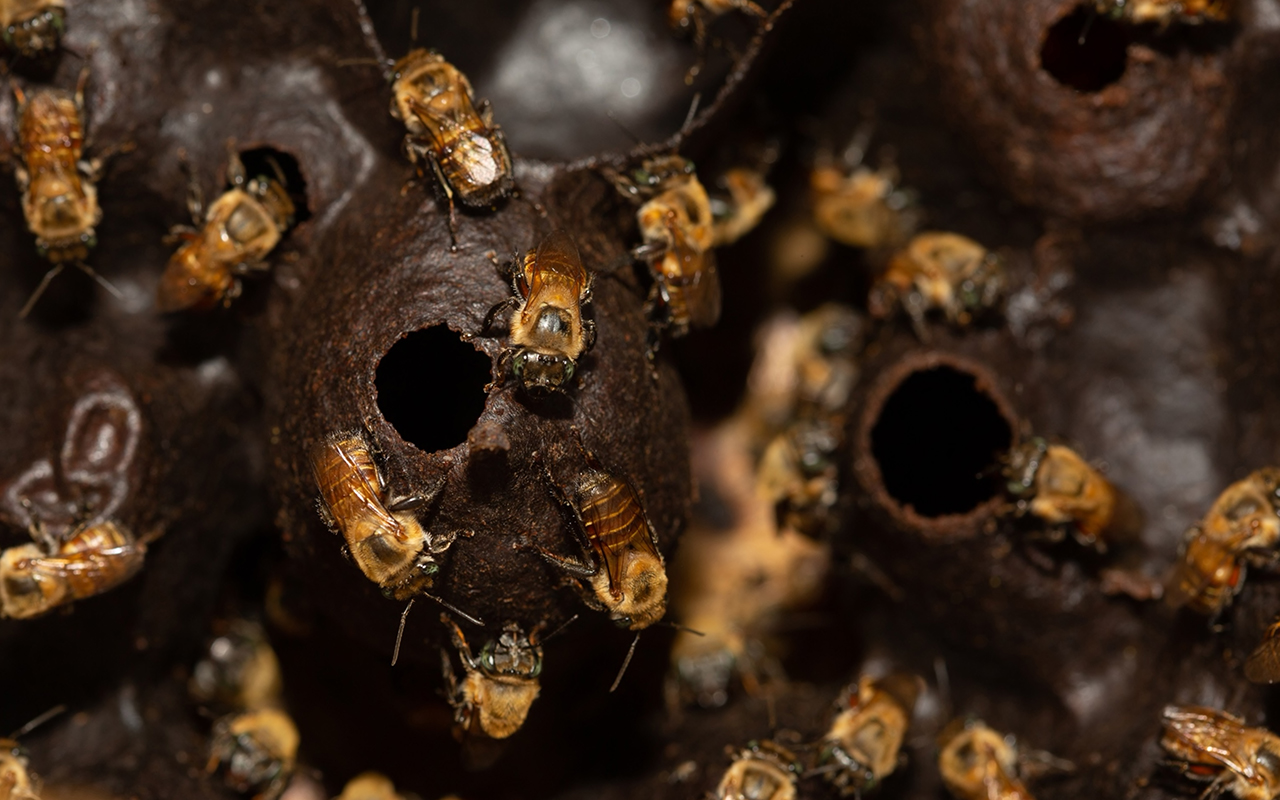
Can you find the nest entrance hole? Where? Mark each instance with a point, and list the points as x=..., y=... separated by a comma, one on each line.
x=1085, y=50
x=431, y=388
x=939, y=440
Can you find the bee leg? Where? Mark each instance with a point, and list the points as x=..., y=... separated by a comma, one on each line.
x=568, y=564
x=588, y=334
x=489, y=318
x=459, y=642
x=180, y=233
x=504, y=366
x=236, y=174
x=195, y=195
x=448, y=196
x=750, y=8
x=914, y=306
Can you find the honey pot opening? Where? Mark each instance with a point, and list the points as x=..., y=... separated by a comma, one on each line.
x=431, y=388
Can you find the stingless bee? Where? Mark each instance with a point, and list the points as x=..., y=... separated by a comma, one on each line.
x=1167, y=11
x=1055, y=484
x=750, y=198
x=236, y=234
x=383, y=537
x=450, y=132
x=548, y=333
x=500, y=686
x=255, y=752
x=800, y=476
x=622, y=563
x=676, y=222
x=97, y=557
x=1210, y=746
x=370, y=786
x=33, y=28
x=16, y=781
x=762, y=770
x=239, y=671
x=1241, y=528
x=59, y=195
x=944, y=271
x=861, y=748
x=979, y=764
x=859, y=206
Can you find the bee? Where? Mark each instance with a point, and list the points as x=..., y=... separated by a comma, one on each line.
x=370, y=786
x=236, y=234
x=623, y=565
x=1210, y=746
x=979, y=764
x=944, y=271
x=1241, y=528
x=449, y=131
x=750, y=198
x=98, y=557
x=255, y=752
x=16, y=782
x=383, y=537
x=763, y=770
x=1055, y=484
x=33, y=28
x=676, y=222
x=499, y=688
x=548, y=333
x=799, y=474
x=861, y=748
x=864, y=208
x=239, y=670
x=1191, y=12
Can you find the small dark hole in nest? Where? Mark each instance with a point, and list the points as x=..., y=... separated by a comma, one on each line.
x=938, y=441
x=276, y=163
x=431, y=388
x=1085, y=50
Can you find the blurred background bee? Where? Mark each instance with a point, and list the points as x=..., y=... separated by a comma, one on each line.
x=548, y=333
x=236, y=234
x=676, y=222
x=1166, y=12
x=16, y=781
x=1242, y=528
x=621, y=561
x=97, y=557
x=749, y=198
x=59, y=191
x=255, y=752
x=862, y=746
x=1210, y=746
x=859, y=206
x=979, y=764
x=1059, y=488
x=370, y=786
x=450, y=132
x=763, y=770
x=499, y=687
x=33, y=29
x=239, y=670
x=939, y=271
x=383, y=536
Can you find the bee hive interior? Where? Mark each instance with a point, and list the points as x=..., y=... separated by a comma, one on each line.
x=1124, y=174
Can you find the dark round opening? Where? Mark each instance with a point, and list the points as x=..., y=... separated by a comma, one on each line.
x=938, y=441
x=431, y=388
x=1085, y=50
x=284, y=168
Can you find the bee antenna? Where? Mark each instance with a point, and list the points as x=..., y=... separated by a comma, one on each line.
x=1088, y=23
x=626, y=662
x=413, y=23
x=630, y=134
x=559, y=630
x=693, y=112
x=468, y=617
x=44, y=284
x=404, y=615
x=944, y=685
x=38, y=721
x=680, y=627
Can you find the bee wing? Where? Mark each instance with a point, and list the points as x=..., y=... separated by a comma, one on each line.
x=104, y=569
x=1208, y=736
x=445, y=126
x=1263, y=665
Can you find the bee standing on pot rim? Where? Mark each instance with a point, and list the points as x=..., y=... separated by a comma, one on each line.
x=383, y=537
x=1241, y=528
x=676, y=223
x=979, y=764
x=255, y=752
x=750, y=198
x=236, y=234
x=943, y=271
x=623, y=565
x=760, y=771
x=449, y=132
x=548, y=332
x=96, y=558
x=33, y=28
x=499, y=687
x=1210, y=746
x=1056, y=485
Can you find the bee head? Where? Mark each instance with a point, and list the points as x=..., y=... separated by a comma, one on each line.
x=542, y=371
